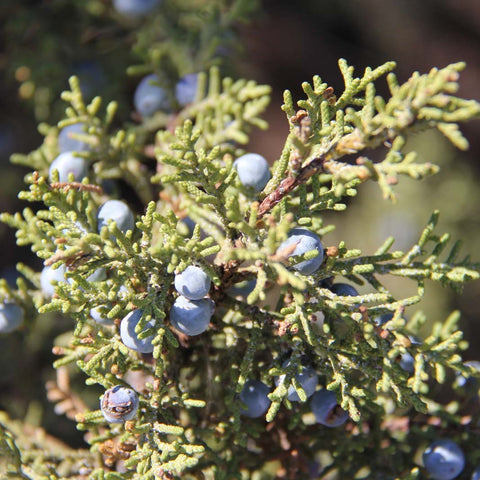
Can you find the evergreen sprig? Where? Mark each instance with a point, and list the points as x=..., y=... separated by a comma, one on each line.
x=190, y=420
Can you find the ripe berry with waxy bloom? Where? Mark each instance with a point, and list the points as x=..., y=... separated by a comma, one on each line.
x=50, y=277
x=476, y=474
x=253, y=171
x=67, y=142
x=304, y=241
x=67, y=163
x=254, y=396
x=186, y=89
x=150, y=97
x=326, y=409
x=97, y=314
x=193, y=283
x=191, y=317
x=134, y=8
x=444, y=460
x=307, y=379
x=117, y=211
x=130, y=337
x=11, y=317
x=119, y=404
x=344, y=290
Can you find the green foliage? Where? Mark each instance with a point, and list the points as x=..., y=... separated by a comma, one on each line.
x=181, y=165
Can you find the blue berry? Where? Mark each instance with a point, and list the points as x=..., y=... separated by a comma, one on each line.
x=444, y=460
x=119, y=404
x=11, y=317
x=134, y=8
x=407, y=362
x=462, y=380
x=314, y=469
x=67, y=163
x=186, y=89
x=307, y=379
x=380, y=320
x=191, y=317
x=99, y=275
x=253, y=171
x=344, y=290
x=193, y=283
x=117, y=211
x=67, y=141
x=99, y=314
x=305, y=241
x=326, y=409
x=150, y=97
x=91, y=77
x=476, y=474
x=254, y=396
x=186, y=226
x=50, y=277
x=130, y=337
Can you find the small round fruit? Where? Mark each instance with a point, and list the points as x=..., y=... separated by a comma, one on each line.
x=150, y=97
x=380, y=320
x=326, y=409
x=186, y=226
x=99, y=314
x=191, y=317
x=130, y=337
x=193, y=283
x=119, y=404
x=117, y=211
x=307, y=379
x=407, y=362
x=305, y=241
x=463, y=380
x=253, y=171
x=476, y=474
x=134, y=8
x=67, y=141
x=67, y=163
x=186, y=89
x=344, y=290
x=98, y=275
x=444, y=460
x=50, y=277
x=254, y=396
x=11, y=317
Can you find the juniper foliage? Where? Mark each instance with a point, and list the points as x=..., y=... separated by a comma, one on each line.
x=180, y=166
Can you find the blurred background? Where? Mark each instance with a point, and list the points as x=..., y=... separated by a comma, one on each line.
x=285, y=44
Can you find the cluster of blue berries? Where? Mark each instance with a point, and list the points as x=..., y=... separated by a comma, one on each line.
x=190, y=313
x=110, y=211
x=192, y=310
x=323, y=403
x=149, y=97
